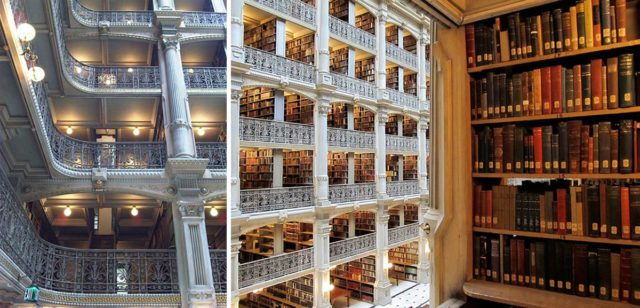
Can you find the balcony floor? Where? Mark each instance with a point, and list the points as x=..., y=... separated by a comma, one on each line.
x=405, y=294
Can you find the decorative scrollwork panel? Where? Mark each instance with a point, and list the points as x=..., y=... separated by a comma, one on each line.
x=279, y=66
x=404, y=188
x=404, y=233
x=352, y=192
x=260, y=130
x=263, y=270
x=352, y=247
x=272, y=199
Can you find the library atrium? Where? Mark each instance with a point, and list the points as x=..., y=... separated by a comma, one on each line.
x=328, y=141
x=113, y=153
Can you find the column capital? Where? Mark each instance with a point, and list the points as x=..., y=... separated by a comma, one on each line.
x=383, y=116
x=323, y=108
x=170, y=41
x=190, y=209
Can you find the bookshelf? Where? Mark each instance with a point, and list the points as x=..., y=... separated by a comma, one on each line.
x=392, y=34
x=410, y=168
x=366, y=22
x=410, y=127
x=411, y=84
x=410, y=44
x=364, y=167
x=338, y=169
x=394, y=217
x=340, y=227
x=298, y=109
x=559, y=202
x=339, y=9
x=337, y=117
x=410, y=213
x=258, y=103
x=366, y=69
x=393, y=78
x=298, y=168
x=302, y=48
x=405, y=262
x=393, y=166
x=256, y=168
x=339, y=61
x=262, y=36
x=257, y=244
x=364, y=120
x=358, y=277
x=297, y=235
x=392, y=125
x=365, y=222
x=295, y=293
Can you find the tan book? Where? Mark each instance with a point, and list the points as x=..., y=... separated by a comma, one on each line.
x=574, y=28
x=540, y=39
x=588, y=22
x=574, y=210
x=605, y=95
x=537, y=91
x=504, y=46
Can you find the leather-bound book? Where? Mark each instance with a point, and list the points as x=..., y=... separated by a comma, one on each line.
x=532, y=43
x=563, y=146
x=555, y=86
x=614, y=33
x=597, y=37
x=605, y=95
x=586, y=87
x=497, y=149
x=519, y=37
x=584, y=149
x=479, y=42
x=612, y=82
x=506, y=262
x=566, y=31
x=521, y=261
x=574, y=27
x=543, y=213
x=625, y=274
x=605, y=146
x=596, y=84
x=596, y=148
x=577, y=87
x=615, y=276
x=477, y=205
x=546, y=90
x=546, y=32
x=540, y=265
x=537, y=149
x=491, y=152
x=604, y=229
x=581, y=24
x=634, y=211
x=488, y=206
x=547, y=158
x=626, y=79
x=500, y=94
x=604, y=273
x=536, y=93
x=508, y=134
x=513, y=246
x=524, y=37
x=548, y=210
x=568, y=90
x=551, y=260
x=621, y=20
x=574, y=210
x=479, y=112
x=592, y=269
x=471, y=46
x=555, y=216
x=605, y=20
x=527, y=266
x=590, y=156
x=624, y=213
x=635, y=276
x=561, y=196
x=510, y=101
x=555, y=153
x=476, y=256
x=517, y=95
x=580, y=270
x=518, y=150
x=491, y=99
x=511, y=28
x=559, y=266
x=593, y=205
x=495, y=260
x=574, y=128
x=535, y=212
x=614, y=150
x=557, y=29
x=614, y=222
x=519, y=210
x=580, y=209
x=568, y=265
x=626, y=146
x=483, y=261
x=473, y=99
x=563, y=85
x=513, y=191
x=588, y=22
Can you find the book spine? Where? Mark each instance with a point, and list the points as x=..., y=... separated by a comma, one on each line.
x=626, y=79
x=586, y=87
x=612, y=22
x=533, y=37
x=624, y=213
x=595, y=131
x=621, y=20
x=597, y=38
x=574, y=145
x=634, y=211
x=546, y=149
x=588, y=22
x=596, y=84
x=537, y=146
x=557, y=29
x=546, y=32
x=577, y=87
x=612, y=82
x=498, y=149
x=563, y=145
x=614, y=150
x=603, y=210
x=519, y=150
x=604, y=273
x=568, y=89
x=626, y=146
x=605, y=146
x=625, y=274
x=555, y=83
x=584, y=149
x=613, y=212
x=546, y=90
x=593, y=204
x=471, y=46
x=581, y=25
x=517, y=95
x=511, y=28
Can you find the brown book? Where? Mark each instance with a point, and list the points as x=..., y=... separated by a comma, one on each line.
x=471, y=46
x=527, y=103
x=546, y=90
x=584, y=149
x=537, y=92
x=597, y=29
x=504, y=45
x=603, y=210
x=566, y=30
x=612, y=82
x=614, y=150
x=614, y=32
x=621, y=20
x=477, y=205
x=508, y=134
x=577, y=88
x=521, y=262
x=556, y=88
x=497, y=148
x=625, y=274
x=574, y=146
x=596, y=84
x=615, y=276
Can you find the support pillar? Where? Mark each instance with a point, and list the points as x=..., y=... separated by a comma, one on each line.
x=278, y=239
x=219, y=7
x=382, y=286
x=278, y=168
x=423, y=177
x=352, y=225
x=424, y=260
x=321, y=152
x=400, y=168
x=381, y=153
x=236, y=34
x=321, y=274
x=234, y=264
x=351, y=168
x=381, y=41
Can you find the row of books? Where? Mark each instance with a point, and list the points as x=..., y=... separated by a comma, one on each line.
x=587, y=24
x=600, y=84
x=569, y=147
x=596, y=209
x=572, y=268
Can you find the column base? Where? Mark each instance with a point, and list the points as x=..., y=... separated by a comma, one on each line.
x=201, y=297
x=424, y=275
x=382, y=293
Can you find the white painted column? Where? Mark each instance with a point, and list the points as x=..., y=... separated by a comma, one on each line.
x=278, y=239
x=234, y=264
x=219, y=7
x=424, y=262
x=233, y=149
x=401, y=214
x=381, y=41
x=166, y=5
x=351, y=57
x=423, y=177
x=279, y=105
x=400, y=68
x=236, y=34
x=381, y=153
x=320, y=154
x=352, y=225
x=321, y=274
x=351, y=168
x=422, y=68
x=278, y=168
x=400, y=123
x=400, y=168
x=322, y=37
x=382, y=286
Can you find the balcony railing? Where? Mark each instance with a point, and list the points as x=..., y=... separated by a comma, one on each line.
x=216, y=152
x=404, y=233
x=91, y=18
x=351, y=33
x=204, y=19
x=260, y=130
x=352, y=192
x=219, y=270
x=263, y=270
x=404, y=188
x=352, y=247
x=272, y=199
x=278, y=66
x=404, y=100
x=205, y=77
x=401, y=56
x=348, y=138
x=295, y=9
x=353, y=86
x=401, y=143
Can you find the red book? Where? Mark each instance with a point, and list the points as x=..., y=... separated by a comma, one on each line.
x=520, y=262
x=590, y=159
x=596, y=84
x=477, y=205
x=624, y=212
x=621, y=20
x=483, y=209
x=546, y=90
x=635, y=147
x=603, y=210
x=597, y=28
x=577, y=88
x=554, y=215
x=537, y=148
x=556, y=88
x=488, y=208
x=561, y=195
x=625, y=274
x=469, y=34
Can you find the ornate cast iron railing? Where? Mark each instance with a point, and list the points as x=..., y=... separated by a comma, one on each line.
x=404, y=188
x=266, y=62
x=293, y=8
x=272, y=199
x=353, y=86
x=205, y=77
x=352, y=192
x=404, y=100
x=204, y=19
x=216, y=152
x=81, y=270
x=348, y=138
x=263, y=270
x=401, y=143
x=404, y=233
x=352, y=247
x=91, y=18
x=351, y=33
x=260, y=130
x=219, y=270
x=402, y=56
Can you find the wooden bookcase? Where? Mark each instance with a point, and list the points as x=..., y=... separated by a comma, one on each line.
x=337, y=117
x=340, y=60
x=411, y=84
x=366, y=22
x=393, y=78
x=410, y=127
x=394, y=217
x=295, y=293
x=364, y=120
x=257, y=103
x=392, y=34
x=340, y=227
x=393, y=166
x=364, y=167
x=410, y=44
x=405, y=262
x=499, y=289
x=339, y=9
x=257, y=244
x=410, y=213
x=302, y=48
x=410, y=168
x=358, y=277
x=297, y=235
x=366, y=69
x=365, y=222
x=298, y=168
x=298, y=109
x=392, y=125
x=256, y=168
x=338, y=169
x=262, y=37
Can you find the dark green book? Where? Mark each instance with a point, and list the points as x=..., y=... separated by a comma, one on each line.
x=517, y=95
x=593, y=210
x=626, y=80
x=605, y=21
x=555, y=154
x=582, y=41
x=626, y=146
x=547, y=158
x=604, y=273
x=548, y=210
x=586, y=86
x=518, y=150
x=490, y=97
x=568, y=90
x=592, y=273
x=510, y=102
x=551, y=260
x=614, y=222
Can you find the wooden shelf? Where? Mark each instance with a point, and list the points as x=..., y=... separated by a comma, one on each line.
x=558, y=55
x=531, y=297
x=569, y=115
x=567, y=237
x=613, y=176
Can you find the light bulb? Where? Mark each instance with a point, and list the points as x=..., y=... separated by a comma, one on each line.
x=67, y=211
x=69, y=130
x=36, y=73
x=136, y=131
x=200, y=131
x=78, y=69
x=130, y=70
x=107, y=82
x=190, y=71
x=134, y=211
x=213, y=212
x=330, y=287
x=26, y=32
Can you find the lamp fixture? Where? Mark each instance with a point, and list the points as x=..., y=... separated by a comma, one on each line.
x=67, y=211
x=107, y=79
x=69, y=130
x=136, y=131
x=36, y=73
x=134, y=211
x=330, y=287
x=213, y=212
x=26, y=32
x=78, y=69
x=201, y=131
x=130, y=70
x=388, y=265
x=190, y=71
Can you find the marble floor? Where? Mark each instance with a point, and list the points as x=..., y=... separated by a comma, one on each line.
x=405, y=295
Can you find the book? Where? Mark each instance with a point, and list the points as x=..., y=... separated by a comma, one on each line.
x=626, y=79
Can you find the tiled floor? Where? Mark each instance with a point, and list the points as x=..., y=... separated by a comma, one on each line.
x=405, y=295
